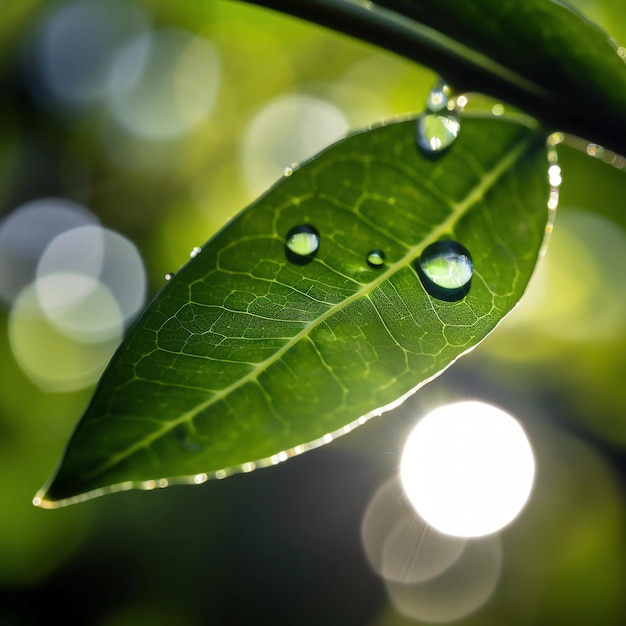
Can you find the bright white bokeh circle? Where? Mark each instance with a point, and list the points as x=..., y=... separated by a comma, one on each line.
x=468, y=469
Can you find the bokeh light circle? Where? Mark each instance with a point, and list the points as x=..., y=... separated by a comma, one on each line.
x=289, y=129
x=577, y=294
x=26, y=233
x=84, y=257
x=74, y=47
x=80, y=306
x=399, y=545
x=468, y=469
x=164, y=83
x=459, y=591
x=54, y=361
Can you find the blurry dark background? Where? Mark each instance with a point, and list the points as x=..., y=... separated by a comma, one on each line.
x=130, y=132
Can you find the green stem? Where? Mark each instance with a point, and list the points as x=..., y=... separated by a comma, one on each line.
x=464, y=68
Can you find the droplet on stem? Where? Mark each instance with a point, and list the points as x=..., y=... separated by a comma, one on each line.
x=438, y=98
x=302, y=244
x=445, y=269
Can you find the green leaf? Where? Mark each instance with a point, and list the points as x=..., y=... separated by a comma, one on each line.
x=542, y=56
x=246, y=358
x=548, y=43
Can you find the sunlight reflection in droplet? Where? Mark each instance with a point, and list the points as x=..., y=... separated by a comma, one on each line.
x=468, y=469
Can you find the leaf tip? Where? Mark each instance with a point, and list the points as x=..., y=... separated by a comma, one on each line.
x=54, y=497
x=42, y=502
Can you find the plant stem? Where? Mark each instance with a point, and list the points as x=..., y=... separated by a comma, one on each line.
x=465, y=69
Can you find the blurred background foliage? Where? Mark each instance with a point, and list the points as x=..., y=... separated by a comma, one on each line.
x=129, y=133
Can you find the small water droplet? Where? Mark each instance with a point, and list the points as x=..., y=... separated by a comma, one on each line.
x=198, y=479
x=438, y=98
x=594, y=150
x=302, y=244
x=195, y=252
x=498, y=109
x=445, y=269
x=376, y=258
x=437, y=131
x=459, y=104
x=554, y=175
x=555, y=139
x=169, y=276
x=287, y=171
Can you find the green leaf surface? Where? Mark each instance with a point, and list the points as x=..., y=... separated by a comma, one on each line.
x=246, y=358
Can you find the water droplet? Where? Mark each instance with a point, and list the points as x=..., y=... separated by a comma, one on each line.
x=445, y=269
x=195, y=252
x=459, y=104
x=437, y=131
x=302, y=244
x=287, y=171
x=169, y=276
x=594, y=150
x=555, y=139
x=376, y=258
x=438, y=97
x=498, y=109
x=554, y=175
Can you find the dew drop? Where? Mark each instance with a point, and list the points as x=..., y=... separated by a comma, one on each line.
x=458, y=105
x=554, y=175
x=376, y=258
x=594, y=150
x=445, y=269
x=437, y=131
x=198, y=479
x=287, y=172
x=195, y=252
x=438, y=97
x=302, y=244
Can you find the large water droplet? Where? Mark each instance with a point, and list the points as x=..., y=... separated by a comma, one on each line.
x=302, y=244
x=376, y=258
x=445, y=269
x=437, y=131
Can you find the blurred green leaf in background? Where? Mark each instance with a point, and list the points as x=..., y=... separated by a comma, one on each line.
x=129, y=134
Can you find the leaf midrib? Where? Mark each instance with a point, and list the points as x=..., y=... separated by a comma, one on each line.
x=460, y=209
